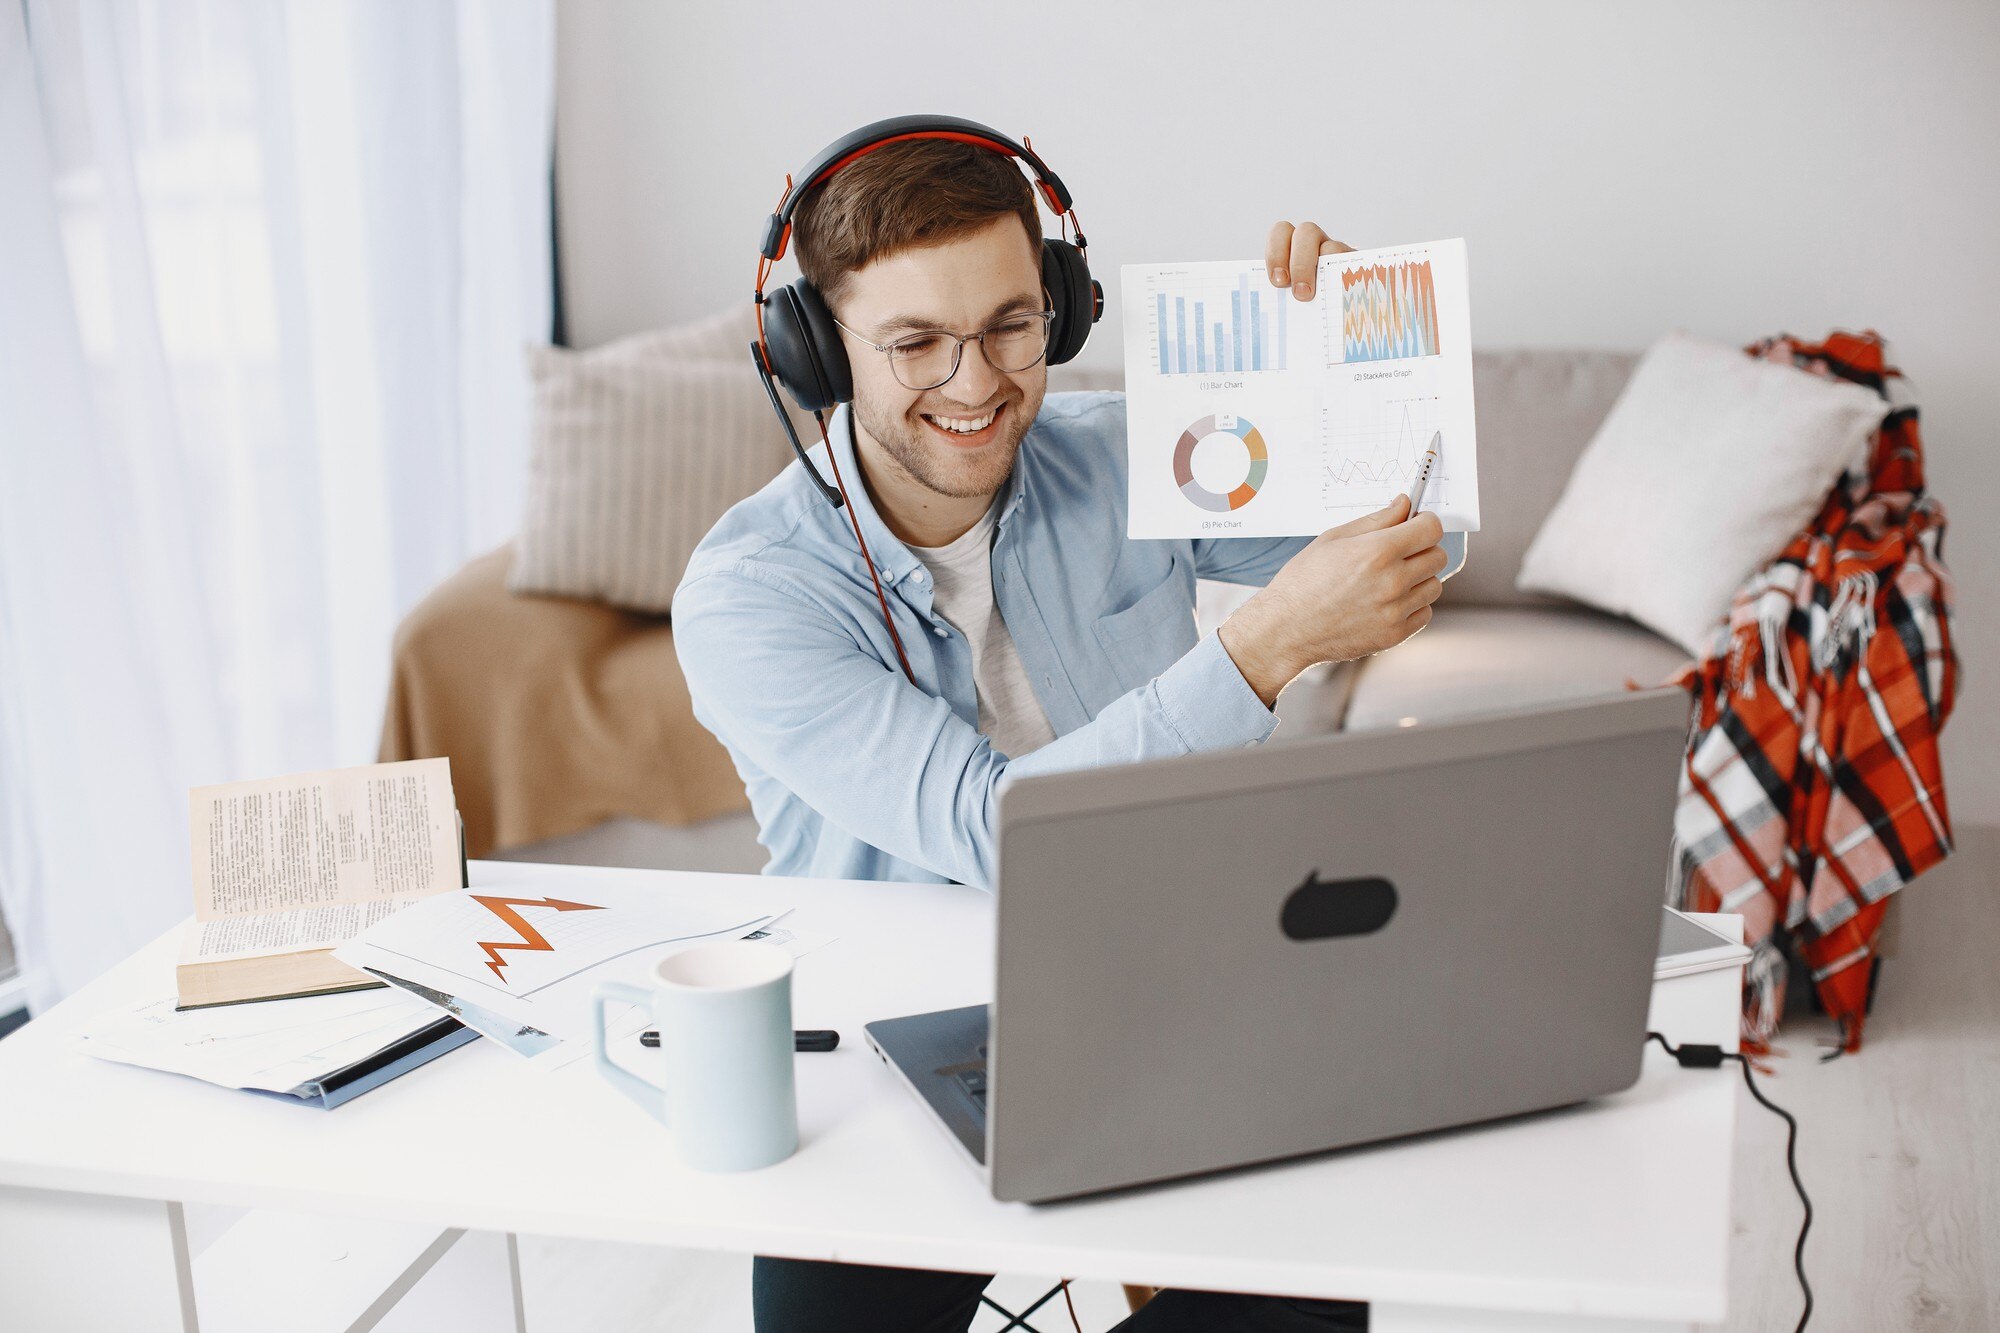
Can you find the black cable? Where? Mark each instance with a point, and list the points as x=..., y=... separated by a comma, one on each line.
x=1692, y=1056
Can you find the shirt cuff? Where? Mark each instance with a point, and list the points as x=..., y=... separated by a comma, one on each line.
x=1208, y=704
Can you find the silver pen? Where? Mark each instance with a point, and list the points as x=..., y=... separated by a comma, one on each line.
x=1425, y=466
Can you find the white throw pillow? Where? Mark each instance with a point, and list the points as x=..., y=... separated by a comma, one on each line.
x=1709, y=463
x=638, y=447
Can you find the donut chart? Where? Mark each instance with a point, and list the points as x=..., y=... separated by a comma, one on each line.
x=1200, y=495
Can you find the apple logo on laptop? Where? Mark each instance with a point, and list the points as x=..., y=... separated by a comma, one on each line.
x=1321, y=909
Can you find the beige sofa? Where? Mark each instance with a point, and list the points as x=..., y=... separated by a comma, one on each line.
x=1490, y=647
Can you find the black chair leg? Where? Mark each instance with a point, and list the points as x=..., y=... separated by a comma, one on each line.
x=1021, y=1320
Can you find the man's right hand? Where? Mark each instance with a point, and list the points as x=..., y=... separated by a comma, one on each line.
x=1359, y=588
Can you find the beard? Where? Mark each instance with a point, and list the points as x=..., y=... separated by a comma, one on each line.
x=943, y=468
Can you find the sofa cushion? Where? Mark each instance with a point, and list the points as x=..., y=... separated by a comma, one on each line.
x=1486, y=659
x=1710, y=462
x=638, y=448
x=1537, y=411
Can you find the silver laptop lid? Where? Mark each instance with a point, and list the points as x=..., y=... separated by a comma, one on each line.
x=1236, y=957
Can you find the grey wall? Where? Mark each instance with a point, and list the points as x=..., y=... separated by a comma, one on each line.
x=1734, y=169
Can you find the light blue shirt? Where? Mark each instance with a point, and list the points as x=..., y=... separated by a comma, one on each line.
x=852, y=773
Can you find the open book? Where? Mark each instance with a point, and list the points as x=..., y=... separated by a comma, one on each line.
x=285, y=869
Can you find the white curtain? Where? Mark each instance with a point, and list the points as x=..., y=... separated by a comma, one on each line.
x=266, y=271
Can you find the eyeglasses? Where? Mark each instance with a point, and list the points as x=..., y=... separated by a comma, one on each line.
x=926, y=360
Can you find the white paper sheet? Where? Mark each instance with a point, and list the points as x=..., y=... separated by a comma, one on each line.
x=273, y=1045
x=1251, y=414
x=531, y=960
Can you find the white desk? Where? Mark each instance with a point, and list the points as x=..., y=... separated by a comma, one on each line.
x=1609, y=1216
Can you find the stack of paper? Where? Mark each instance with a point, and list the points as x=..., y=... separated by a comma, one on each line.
x=1688, y=946
x=277, y=1046
x=519, y=968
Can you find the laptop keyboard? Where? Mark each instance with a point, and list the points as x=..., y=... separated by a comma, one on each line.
x=972, y=1077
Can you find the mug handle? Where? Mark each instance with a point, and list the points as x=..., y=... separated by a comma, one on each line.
x=643, y=1091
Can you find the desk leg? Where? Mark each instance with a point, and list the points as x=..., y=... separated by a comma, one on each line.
x=1433, y=1319
x=514, y=1281
x=93, y=1263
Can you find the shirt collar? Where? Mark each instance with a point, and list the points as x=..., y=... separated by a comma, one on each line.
x=894, y=560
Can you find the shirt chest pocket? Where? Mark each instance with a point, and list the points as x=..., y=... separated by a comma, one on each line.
x=1150, y=635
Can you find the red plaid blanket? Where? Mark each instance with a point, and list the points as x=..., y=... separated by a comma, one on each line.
x=1812, y=789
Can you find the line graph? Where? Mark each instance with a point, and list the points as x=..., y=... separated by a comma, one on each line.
x=527, y=937
x=1388, y=312
x=1382, y=453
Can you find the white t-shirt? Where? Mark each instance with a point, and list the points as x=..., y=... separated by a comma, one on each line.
x=1010, y=716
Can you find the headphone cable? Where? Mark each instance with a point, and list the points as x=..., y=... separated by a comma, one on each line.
x=854, y=521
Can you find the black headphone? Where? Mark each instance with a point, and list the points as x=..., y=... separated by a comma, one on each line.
x=798, y=343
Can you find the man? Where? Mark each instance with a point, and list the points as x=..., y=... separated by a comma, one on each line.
x=1039, y=638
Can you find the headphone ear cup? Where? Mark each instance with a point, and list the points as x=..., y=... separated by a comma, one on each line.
x=806, y=353
x=1066, y=273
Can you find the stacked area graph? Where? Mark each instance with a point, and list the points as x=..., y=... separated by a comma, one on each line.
x=1388, y=312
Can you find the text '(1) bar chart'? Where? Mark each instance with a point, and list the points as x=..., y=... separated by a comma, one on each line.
x=1205, y=327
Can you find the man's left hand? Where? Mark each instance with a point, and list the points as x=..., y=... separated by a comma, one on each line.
x=1291, y=258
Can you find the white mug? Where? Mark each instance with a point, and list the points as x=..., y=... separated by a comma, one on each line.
x=724, y=1012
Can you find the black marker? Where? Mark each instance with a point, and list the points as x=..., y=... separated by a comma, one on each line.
x=805, y=1039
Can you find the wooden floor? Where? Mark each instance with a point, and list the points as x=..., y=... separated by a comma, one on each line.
x=1899, y=1145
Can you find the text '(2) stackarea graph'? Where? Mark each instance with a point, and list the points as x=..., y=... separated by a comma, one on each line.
x=1388, y=312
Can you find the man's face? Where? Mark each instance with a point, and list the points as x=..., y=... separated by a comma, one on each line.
x=958, y=287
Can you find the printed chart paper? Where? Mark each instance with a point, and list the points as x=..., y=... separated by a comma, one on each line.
x=1252, y=414
x=519, y=966
x=270, y=1046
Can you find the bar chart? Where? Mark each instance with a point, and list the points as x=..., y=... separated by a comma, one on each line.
x=1205, y=326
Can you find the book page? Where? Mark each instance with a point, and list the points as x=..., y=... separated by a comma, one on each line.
x=344, y=836
x=1250, y=414
x=260, y=934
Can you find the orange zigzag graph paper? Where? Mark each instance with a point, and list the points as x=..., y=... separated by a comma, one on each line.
x=529, y=939
x=1388, y=312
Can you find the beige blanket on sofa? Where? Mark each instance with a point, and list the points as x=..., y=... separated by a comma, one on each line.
x=556, y=714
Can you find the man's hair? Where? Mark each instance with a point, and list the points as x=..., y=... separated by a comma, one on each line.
x=903, y=196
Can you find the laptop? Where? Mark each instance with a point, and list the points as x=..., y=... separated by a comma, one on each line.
x=1223, y=959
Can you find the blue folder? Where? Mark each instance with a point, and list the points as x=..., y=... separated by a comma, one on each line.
x=392, y=1061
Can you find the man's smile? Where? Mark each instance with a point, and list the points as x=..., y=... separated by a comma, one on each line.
x=967, y=430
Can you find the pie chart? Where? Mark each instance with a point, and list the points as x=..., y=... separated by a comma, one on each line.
x=1198, y=494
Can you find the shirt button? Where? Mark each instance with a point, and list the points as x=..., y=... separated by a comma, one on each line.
x=920, y=576
x=941, y=632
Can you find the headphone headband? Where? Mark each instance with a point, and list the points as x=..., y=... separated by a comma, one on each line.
x=778, y=230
